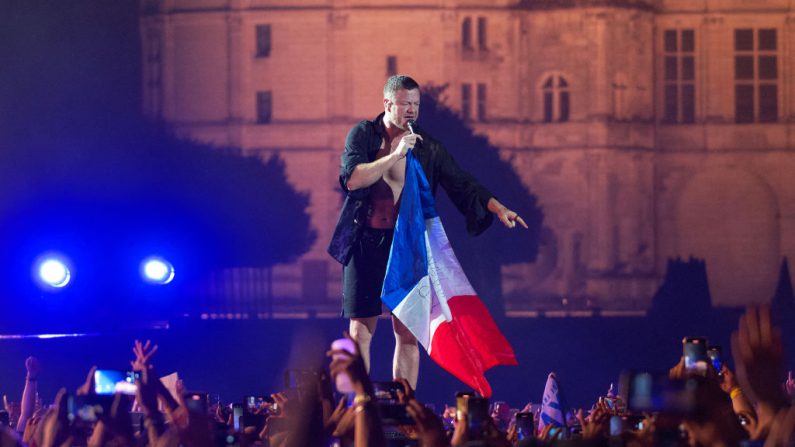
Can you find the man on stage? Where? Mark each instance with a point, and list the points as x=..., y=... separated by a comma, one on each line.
x=372, y=173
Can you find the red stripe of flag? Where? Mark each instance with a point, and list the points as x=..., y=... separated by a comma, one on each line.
x=470, y=344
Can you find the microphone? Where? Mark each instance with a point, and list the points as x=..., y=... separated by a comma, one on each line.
x=411, y=124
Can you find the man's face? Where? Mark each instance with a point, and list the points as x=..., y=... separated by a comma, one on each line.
x=404, y=106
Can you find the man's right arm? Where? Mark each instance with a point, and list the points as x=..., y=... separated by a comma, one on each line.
x=365, y=174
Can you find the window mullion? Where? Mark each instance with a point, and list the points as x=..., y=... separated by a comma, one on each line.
x=555, y=100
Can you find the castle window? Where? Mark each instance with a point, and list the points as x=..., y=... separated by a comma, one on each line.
x=263, y=40
x=556, y=99
x=264, y=107
x=482, y=33
x=466, y=102
x=755, y=75
x=391, y=65
x=466, y=33
x=481, y=102
x=679, y=76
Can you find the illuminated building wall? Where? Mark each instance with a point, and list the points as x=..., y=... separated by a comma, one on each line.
x=648, y=129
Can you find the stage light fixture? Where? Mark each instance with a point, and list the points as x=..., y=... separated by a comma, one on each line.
x=157, y=270
x=54, y=272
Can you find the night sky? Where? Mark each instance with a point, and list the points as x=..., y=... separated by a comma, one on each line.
x=68, y=63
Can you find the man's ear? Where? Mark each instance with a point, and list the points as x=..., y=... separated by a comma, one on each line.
x=387, y=104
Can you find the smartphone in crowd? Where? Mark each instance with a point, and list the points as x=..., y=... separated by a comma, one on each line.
x=392, y=412
x=616, y=425
x=694, y=350
x=477, y=416
x=715, y=354
x=254, y=403
x=137, y=421
x=109, y=381
x=237, y=416
x=656, y=393
x=197, y=402
x=461, y=398
x=524, y=425
x=386, y=391
x=88, y=408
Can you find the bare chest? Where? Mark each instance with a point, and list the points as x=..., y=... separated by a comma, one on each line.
x=395, y=176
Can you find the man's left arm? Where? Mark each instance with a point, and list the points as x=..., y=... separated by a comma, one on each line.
x=470, y=197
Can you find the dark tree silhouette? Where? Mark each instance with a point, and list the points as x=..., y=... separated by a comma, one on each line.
x=109, y=198
x=783, y=307
x=83, y=174
x=482, y=256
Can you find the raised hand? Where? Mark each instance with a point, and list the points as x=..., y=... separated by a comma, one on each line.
x=143, y=355
x=678, y=372
x=353, y=365
x=789, y=386
x=545, y=435
x=407, y=393
x=597, y=424
x=758, y=356
x=56, y=423
x=33, y=368
x=335, y=417
x=728, y=381
x=429, y=427
x=146, y=392
x=88, y=386
x=13, y=410
x=406, y=143
x=782, y=429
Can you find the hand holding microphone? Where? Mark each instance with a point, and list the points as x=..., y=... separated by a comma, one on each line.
x=408, y=141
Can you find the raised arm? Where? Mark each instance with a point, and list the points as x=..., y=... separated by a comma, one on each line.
x=29, y=393
x=368, y=428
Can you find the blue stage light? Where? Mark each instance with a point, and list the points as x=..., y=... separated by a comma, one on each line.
x=157, y=270
x=54, y=272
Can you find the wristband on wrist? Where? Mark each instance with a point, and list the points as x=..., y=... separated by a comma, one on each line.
x=736, y=391
x=361, y=399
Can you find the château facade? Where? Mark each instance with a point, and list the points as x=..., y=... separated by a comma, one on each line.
x=648, y=129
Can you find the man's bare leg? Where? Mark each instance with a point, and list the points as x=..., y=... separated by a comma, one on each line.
x=362, y=330
x=406, y=363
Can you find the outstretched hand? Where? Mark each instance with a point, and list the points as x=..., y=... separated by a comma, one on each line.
x=508, y=217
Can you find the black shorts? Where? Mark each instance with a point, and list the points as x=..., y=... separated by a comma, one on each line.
x=363, y=277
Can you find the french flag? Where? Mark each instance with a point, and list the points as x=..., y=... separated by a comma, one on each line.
x=552, y=412
x=426, y=289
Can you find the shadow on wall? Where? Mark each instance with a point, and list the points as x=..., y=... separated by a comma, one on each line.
x=108, y=198
x=682, y=303
x=482, y=256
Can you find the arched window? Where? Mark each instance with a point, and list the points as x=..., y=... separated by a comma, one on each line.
x=556, y=99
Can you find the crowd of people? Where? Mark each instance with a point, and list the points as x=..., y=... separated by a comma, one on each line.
x=751, y=405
